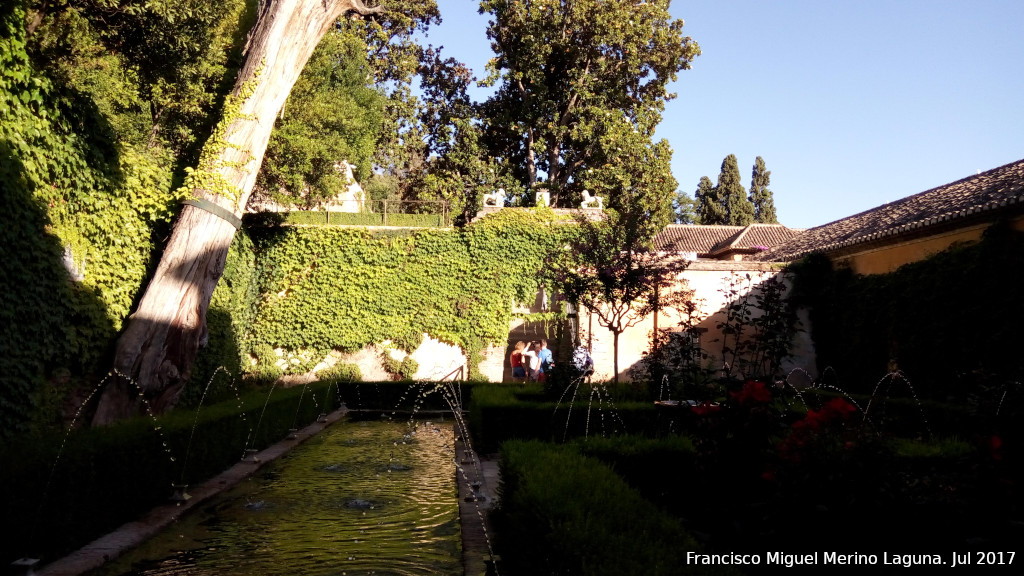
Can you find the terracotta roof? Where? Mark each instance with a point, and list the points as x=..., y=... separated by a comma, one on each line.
x=709, y=241
x=962, y=202
x=693, y=237
x=755, y=238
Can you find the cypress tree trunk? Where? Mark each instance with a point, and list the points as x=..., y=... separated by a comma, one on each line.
x=157, y=349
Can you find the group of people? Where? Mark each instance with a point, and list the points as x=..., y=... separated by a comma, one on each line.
x=531, y=361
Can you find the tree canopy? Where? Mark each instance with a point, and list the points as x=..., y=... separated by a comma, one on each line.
x=710, y=209
x=573, y=76
x=685, y=208
x=332, y=115
x=738, y=210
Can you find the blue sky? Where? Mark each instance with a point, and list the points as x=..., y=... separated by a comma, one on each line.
x=851, y=104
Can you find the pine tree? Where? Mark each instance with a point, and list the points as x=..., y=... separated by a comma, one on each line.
x=760, y=195
x=710, y=209
x=738, y=210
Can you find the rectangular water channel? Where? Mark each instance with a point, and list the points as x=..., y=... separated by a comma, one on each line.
x=362, y=497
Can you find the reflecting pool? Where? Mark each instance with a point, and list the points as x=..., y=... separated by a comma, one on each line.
x=363, y=497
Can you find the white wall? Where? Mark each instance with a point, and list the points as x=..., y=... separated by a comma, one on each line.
x=710, y=281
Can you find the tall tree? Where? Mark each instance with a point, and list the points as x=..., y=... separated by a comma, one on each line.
x=396, y=57
x=760, y=195
x=570, y=71
x=710, y=208
x=458, y=169
x=159, y=345
x=331, y=115
x=738, y=210
x=635, y=176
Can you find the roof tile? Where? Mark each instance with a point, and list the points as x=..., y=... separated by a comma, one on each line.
x=984, y=192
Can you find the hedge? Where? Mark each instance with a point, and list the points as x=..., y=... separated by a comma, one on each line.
x=564, y=513
x=501, y=412
x=324, y=218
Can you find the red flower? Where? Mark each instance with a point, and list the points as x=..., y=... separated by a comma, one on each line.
x=836, y=409
x=840, y=408
x=994, y=444
x=705, y=409
x=753, y=391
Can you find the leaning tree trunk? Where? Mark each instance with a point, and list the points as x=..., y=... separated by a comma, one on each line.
x=159, y=345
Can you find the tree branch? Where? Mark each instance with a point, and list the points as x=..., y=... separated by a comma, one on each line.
x=359, y=8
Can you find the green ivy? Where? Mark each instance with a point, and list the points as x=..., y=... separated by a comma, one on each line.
x=949, y=323
x=327, y=288
x=70, y=191
x=342, y=372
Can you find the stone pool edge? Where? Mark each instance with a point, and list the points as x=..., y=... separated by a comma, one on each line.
x=478, y=557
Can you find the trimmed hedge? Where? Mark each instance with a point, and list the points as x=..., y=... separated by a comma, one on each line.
x=105, y=477
x=564, y=513
x=502, y=412
x=661, y=469
x=324, y=218
x=402, y=396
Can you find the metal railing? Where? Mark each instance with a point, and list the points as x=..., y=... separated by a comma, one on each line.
x=390, y=213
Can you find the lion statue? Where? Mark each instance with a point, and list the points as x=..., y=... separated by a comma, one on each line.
x=592, y=201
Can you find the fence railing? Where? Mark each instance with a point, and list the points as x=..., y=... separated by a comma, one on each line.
x=389, y=213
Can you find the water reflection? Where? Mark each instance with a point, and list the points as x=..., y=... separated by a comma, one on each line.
x=361, y=498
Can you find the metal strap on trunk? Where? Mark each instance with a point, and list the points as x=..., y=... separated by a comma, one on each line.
x=216, y=210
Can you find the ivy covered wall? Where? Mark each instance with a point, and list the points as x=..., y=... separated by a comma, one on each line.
x=78, y=211
x=311, y=290
x=951, y=324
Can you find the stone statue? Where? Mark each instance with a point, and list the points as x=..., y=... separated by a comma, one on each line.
x=542, y=197
x=592, y=201
x=496, y=198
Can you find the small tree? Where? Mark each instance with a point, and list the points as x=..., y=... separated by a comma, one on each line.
x=710, y=209
x=609, y=271
x=685, y=208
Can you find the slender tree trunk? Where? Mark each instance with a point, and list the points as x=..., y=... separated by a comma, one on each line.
x=157, y=349
x=615, y=356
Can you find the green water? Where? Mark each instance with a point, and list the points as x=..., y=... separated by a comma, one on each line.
x=360, y=498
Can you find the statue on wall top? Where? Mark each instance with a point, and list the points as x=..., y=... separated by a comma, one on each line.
x=496, y=198
x=592, y=201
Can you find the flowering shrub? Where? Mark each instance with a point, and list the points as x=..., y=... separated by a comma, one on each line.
x=819, y=427
x=753, y=392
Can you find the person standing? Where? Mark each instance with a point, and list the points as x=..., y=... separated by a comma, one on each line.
x=546, y=361
x=531, y=361
x=516, y=360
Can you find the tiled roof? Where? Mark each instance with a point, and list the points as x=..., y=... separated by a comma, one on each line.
x=693, y=238
x=960, y=202
x=756, y=237
x=708, y=241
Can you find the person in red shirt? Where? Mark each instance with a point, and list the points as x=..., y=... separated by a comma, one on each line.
x=516, y=360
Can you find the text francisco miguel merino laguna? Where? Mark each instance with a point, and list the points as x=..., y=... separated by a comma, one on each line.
x=952, y=559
